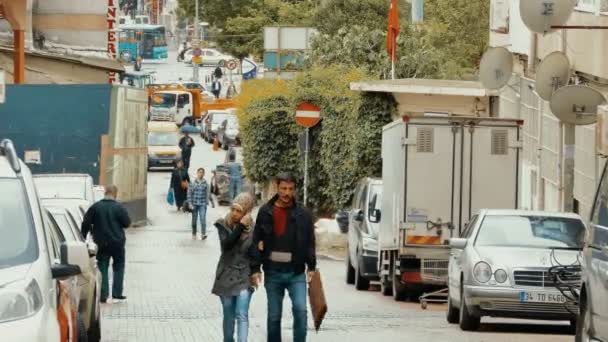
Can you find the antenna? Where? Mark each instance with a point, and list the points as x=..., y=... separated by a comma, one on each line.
x=541, y=15
x=553, y=73
x=496, y=68
x=576, y=104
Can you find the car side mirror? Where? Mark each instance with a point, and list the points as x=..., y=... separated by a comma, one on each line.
x=92, y=249
x=75, y=253
x=458, y=243
x=62, y=272
x=359, y=216
x=375, y=215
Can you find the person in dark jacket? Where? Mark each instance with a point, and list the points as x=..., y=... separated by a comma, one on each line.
x=180, y=181
x=186, y=143
x=285, y=238
x=216, y=88
x=106, y=220
x=234, y=279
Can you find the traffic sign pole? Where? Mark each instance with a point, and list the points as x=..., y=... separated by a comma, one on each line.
x=307, y=116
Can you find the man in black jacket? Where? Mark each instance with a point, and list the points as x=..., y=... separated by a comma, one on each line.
x=186, y=143
x=106, y=220
x=285, y=237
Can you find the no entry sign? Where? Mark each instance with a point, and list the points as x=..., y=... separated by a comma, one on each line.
x=308, y=115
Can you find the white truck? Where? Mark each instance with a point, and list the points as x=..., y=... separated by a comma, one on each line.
x=437, y=172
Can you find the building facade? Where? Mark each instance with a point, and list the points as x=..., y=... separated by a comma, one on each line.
x=561, y=165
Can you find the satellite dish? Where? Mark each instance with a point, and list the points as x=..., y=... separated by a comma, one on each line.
x=552, y=74
x=496, y=68
x=540, y=15
x=576, y=104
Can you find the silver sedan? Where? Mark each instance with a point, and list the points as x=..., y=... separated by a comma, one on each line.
x=504, y=263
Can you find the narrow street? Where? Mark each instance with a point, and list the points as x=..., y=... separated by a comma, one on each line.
x=169, y=279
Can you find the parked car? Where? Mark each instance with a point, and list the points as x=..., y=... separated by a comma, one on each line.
x=223, y=178
x=213, y=121
x=210, y=56
x=89, y=281
x=73, y=186
x=500, y=266
x=228, y=133
x=593, y=320
x=362, y=246
x=35, y=272
x=163, y=145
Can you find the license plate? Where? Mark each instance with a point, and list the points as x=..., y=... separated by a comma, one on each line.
x=166, y=161
x=541, y=297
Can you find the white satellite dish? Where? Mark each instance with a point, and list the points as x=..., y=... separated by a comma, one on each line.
x=496, y=68
x=576, y=104
x=552, y=74
x=540, y=15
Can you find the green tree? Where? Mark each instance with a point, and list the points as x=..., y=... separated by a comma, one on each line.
x=333, y=15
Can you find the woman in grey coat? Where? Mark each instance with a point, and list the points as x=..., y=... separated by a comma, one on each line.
x=234, y=283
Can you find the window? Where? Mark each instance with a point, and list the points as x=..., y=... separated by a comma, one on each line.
x=500, y=16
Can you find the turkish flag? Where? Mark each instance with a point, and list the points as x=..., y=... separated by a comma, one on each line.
x=393, y=30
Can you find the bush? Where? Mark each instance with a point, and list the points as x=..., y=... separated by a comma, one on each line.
x=346, y=142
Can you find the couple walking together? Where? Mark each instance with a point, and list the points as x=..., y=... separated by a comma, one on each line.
x=282, y=242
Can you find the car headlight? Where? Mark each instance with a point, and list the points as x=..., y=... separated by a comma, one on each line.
x=20, y=300
x=482, y=272
x=152, y=155
x=370, y=244
x=500, y=276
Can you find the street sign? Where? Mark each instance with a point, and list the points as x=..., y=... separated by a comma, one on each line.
x=232, y=64
x=308, y=115
x=197, y=52
x=197, y=60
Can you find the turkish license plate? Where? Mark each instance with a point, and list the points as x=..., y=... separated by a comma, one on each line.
x=541, y=297
x=166, y=161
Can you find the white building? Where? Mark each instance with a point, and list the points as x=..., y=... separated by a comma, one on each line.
x=560, y=166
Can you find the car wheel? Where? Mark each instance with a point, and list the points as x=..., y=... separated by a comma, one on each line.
x=452, y=315
x=187, y=121
x=399, y=290
x=584, y=328
x=361, y=283
x=350, y=271
x=386, y=287
x=81, y=330
x=468, y=321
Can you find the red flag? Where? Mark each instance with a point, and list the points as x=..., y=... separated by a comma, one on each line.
x=393, y=30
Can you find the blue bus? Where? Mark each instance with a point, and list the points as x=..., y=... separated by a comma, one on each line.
x=147, y=41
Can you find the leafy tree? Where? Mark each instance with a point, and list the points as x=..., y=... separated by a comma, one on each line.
x=333, y=15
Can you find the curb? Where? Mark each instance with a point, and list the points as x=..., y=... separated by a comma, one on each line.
x=326, y=256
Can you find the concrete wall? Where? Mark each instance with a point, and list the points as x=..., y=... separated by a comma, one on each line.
x=72, y=22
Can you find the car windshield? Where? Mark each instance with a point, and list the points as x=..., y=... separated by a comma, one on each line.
x=218, y=118
x=18, y=244
x=61, y=187
x=531, y=231
x=164, y=100
x=64, y=225
x=162, y=139
x=233, y=123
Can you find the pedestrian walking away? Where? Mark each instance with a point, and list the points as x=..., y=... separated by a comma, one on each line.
x=215, y=191
x=180, y=181
x=198, y=198
x=106, y=220
x=235, y=175
x=216, y=88
x=186, y=143
x=217, y=73
x=284, y=236
x=238, y=271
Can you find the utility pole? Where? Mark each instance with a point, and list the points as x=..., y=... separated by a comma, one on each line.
x=195, y=39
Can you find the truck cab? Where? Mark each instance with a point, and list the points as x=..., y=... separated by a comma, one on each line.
x=173, y=105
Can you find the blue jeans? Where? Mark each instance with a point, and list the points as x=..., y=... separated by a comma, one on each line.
x=200, y=212
x=235, y=187
x=276, y=283
x=236, y=308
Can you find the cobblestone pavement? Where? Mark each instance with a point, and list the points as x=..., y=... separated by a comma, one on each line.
x=169, y=278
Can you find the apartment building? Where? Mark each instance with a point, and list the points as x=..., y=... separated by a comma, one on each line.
x=560, y=162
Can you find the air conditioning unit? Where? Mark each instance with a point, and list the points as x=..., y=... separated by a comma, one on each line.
x=601, y=130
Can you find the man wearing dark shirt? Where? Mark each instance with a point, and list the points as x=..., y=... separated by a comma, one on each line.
x=106, y=220
x=284, y=234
